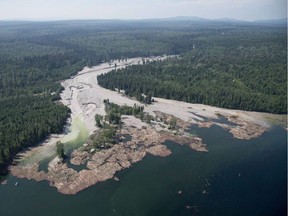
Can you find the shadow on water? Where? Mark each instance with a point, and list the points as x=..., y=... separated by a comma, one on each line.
x=78, y=168
x=221, y=119
x=43, y=164
x=235, y=177
x=127, y=138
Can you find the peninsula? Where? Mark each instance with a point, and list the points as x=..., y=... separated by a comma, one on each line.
x=85, y=98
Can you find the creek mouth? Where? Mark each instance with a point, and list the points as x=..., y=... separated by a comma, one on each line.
x=140, y=138
x=175, y=184
x=76, y=134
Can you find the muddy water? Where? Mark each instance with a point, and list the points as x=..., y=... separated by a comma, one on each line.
x=77, y=135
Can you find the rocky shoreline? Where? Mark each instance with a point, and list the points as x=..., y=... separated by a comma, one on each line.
x=103, y=164
x=241, y=129
x=85, y=98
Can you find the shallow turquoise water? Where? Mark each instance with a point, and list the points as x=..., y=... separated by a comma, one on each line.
x=77, y=135
x=235, y=177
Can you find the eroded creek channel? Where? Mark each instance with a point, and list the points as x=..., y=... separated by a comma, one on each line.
x=224, y=181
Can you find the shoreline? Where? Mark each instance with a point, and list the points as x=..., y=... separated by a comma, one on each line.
x=84, y=97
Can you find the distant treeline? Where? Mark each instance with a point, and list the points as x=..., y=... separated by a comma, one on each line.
x=35, y=56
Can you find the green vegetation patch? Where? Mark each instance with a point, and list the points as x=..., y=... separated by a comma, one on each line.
x=245, y=69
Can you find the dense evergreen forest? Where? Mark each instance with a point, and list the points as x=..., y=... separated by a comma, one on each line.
x=242, y=68
x=35, y=56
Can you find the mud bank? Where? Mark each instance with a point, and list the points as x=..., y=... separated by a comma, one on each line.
x=84, y=97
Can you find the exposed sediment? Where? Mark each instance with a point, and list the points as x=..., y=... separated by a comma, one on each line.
x=241, y=128
x=29, y=172
x=103, y=164
x=245, y=130
x=85, y=98
x=145, y=139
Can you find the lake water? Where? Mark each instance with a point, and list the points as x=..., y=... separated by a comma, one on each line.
x=235, y=177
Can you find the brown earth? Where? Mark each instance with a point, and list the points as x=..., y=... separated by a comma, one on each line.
x=103, y=164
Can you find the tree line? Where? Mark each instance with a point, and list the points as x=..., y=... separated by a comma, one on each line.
x=244, y=71
x=35, y=57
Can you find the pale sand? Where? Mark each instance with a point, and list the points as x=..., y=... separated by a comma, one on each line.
x=84, y=97
x=87, y=100
x=187, y=111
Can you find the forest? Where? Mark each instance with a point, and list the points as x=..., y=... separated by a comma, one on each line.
x=36, y=56
x=237, y=69
x=108, y=125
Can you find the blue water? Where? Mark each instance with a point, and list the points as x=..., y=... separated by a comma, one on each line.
x=235, y=177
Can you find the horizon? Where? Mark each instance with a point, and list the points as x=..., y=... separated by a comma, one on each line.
x=176, y=18
x=41, y=10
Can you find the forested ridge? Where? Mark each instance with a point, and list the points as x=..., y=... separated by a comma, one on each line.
x=240, y=69
x=36, y=56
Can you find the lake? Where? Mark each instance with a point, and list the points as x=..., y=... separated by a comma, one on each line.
x=236, y=177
